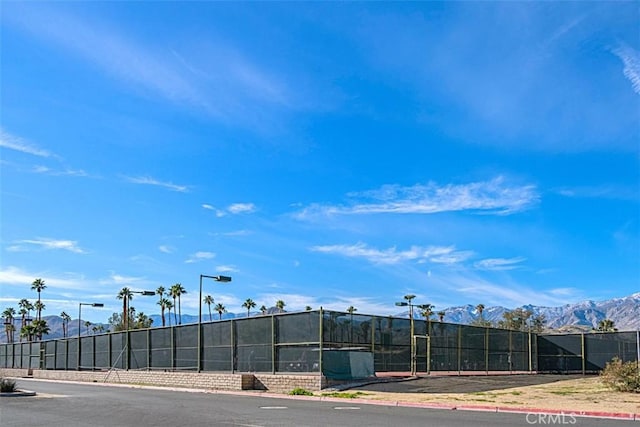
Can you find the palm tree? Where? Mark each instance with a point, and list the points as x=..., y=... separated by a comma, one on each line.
x=249, y=304
x=169, y=305
x=25, y=308
x=125, y=295
x=280, y=305
x=308, y=308
x=86, y=325
x=441, y=315
x=208, y=300
x=39, y=305
x=160, y=292
x=220, y=308
x=607, y=325
x=480, y=308
x=27, y=331
x=351, y=309
x=426, y=310
x=10, y=329
x=40, y=328
x=176, y=291
x=38, y=285
x=65, y=324
x=163, y=307
x=263, y=309
x=8, y=315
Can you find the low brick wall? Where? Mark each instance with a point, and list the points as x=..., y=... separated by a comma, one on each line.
x=204, y=380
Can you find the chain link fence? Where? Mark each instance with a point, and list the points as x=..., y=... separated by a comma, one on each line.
x=296, y=342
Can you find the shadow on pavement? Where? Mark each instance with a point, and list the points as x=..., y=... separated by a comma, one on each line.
x=464, y=384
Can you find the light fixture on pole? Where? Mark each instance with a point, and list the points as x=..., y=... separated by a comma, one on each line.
x=92, y=304
x=125, y=321
x=223, y=279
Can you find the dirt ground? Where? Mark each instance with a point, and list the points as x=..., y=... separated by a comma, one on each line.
x=557, y=392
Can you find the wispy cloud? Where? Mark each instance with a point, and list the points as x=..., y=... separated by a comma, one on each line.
x=238, y=208
x=46, y=244
x=497, y=264
x=200, y=256
x=490, y=197
x=600, y=191
x=226, y=269
x=210, y=75
x=65, y=172
x=631, y=60
x=147, y=180
x=165, y=249
x=16, y=143
x=234, y=209
x=436, y=254
x=14, y=276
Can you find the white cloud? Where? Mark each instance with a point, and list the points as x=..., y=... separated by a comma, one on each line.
x=47, y=244
x=499, y=263
x=199, y=256
x=19, y=144
x=14, y=276
x=65, y=172
x=165, y=249
x=238, y=208
x=631, y=60
x=119, y=279
x=208, y=207
x=436, y=254
x=226, y=269
x=490, y=197
x=146, y=180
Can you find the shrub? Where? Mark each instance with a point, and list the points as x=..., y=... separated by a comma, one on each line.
x=621, y=376
x=7, y=385
x=300, y=392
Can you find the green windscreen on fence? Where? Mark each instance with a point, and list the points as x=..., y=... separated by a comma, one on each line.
x=302, y=342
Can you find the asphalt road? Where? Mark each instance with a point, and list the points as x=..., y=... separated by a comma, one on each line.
x=88, y=405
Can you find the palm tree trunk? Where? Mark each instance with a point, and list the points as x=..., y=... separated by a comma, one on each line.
x=179, y=311
x=175, y=317
x=209, y=312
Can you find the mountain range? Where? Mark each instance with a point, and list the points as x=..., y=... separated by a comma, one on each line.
x=579, y=317
x=585, y=315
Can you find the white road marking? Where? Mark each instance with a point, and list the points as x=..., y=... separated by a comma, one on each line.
x=274, y=407
x=347, y=407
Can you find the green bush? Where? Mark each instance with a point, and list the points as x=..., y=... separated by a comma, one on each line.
x=300, y=392
x=621, y=376
x=7, y=385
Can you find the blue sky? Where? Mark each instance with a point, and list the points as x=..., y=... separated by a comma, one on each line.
x=326, y=154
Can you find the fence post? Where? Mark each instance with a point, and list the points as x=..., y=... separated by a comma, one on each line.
x=459, y=347
x=321, y=341
x=582, y=348
x=486, y=350
x=233, y=348
x=638, y=349
x=173, y=346
x=530, y=353
x=149, y=349
x=273, y=344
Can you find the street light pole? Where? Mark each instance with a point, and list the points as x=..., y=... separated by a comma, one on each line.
x=126, y=324
x=92, y=304
x=408, y=299
x=223, y=279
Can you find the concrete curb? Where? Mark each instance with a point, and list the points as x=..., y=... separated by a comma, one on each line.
x=18, y=393
x=391, y=403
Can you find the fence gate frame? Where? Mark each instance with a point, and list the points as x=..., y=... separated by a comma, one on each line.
x=414, y=353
